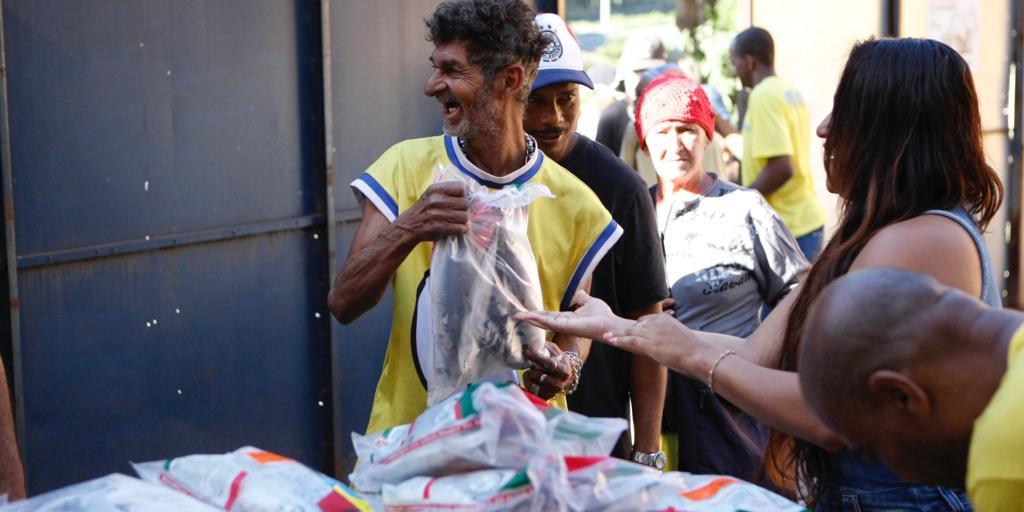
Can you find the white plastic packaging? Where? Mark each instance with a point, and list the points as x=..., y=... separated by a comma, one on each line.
x=111, y=493
x=608, y=484
x=251, y=480
x=539, y=487
x=574, y=434
x=717, y=493
x=487, y=426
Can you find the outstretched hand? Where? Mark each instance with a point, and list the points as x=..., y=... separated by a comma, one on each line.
x=591, y=318
x=662, y=338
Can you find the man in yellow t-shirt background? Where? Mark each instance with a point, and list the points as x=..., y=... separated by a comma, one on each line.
x=776, y=140
x=924, y=377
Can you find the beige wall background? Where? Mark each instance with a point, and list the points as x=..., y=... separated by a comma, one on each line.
x=813, y=38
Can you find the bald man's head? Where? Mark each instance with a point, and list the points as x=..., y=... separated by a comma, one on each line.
x=877, y=345
x=860, y=323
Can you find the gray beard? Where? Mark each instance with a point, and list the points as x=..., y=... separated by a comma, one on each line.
x=481, y=122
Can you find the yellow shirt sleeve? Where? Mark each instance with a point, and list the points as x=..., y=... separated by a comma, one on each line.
x=995, y=463
x=998, y=496
x=380, y=183
x=770, y=136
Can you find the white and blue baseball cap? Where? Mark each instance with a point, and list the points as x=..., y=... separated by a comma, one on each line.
x=562, y=60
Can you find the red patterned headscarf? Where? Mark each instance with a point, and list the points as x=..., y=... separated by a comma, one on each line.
x=673, y=97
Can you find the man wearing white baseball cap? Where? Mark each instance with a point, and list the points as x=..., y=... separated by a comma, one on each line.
x=631, y=278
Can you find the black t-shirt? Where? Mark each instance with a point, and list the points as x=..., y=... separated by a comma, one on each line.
x=631, y=275
x=612, y=126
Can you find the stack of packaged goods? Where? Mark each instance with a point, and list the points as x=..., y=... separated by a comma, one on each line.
x=496, y=447
x=245, y=480
x=492, y=447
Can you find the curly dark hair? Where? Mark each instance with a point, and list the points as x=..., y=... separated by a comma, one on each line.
x=499, y=32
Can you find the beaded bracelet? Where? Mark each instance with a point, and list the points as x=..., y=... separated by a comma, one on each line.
x=577, y=366
x=711, y=374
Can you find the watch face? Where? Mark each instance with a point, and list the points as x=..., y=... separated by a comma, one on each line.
x=659, y=461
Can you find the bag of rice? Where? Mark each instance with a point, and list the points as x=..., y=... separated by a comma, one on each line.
x=487, y=426
x=111, y=493
x=541, y=486
x=608, y=484
x=717, y=493
x=250, y=479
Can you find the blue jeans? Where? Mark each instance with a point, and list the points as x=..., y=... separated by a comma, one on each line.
x=810, y=244
x=870, y=486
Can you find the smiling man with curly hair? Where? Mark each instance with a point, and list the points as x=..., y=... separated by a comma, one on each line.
x=485, y=58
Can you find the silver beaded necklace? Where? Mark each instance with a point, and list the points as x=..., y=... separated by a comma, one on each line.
x=531, y=146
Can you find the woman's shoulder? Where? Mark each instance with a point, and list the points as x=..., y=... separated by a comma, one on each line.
x=929, y=244
x=927, y=229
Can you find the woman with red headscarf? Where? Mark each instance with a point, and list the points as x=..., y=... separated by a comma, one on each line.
x=727, y=255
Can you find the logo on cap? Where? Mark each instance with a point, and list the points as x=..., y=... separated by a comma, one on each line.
x=554, y=50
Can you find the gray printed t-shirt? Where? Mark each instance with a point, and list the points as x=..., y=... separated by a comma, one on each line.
x=727, y=253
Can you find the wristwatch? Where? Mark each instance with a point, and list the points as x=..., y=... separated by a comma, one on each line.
x=655, y=460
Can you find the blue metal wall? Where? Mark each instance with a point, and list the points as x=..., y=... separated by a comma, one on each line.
x=394, y=69
x=170, y=165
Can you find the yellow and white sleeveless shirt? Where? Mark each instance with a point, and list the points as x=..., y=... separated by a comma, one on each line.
x=569, y=235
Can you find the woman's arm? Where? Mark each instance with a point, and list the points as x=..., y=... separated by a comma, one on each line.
x=593, y=319
x=772, y=396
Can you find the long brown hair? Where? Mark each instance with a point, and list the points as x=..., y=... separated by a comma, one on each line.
x=905, y=137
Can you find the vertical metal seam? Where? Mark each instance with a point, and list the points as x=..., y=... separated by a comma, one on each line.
x=337, y=439
x=14, y=310
x=1015, y=155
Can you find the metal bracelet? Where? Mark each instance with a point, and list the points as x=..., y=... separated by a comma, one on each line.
x=577, y=366
x=711, y=374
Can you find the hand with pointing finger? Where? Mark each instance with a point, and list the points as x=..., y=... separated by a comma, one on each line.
x=591, y=318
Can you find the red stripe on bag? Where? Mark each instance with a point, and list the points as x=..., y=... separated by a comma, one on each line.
x=235, y=484
x=576, y=463
x=455, y=429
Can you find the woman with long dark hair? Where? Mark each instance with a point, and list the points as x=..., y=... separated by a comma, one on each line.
x=903, y=151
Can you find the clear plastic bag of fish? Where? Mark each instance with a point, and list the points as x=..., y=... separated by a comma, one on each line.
x=486, y=426
x=251, y=480
x=478, y=281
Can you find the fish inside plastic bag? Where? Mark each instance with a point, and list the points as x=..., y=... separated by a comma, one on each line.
x=111, y=493
x=252, y=480
x=477, y=282
x=488, y=426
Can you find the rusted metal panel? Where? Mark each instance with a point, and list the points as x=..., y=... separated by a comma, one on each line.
x=167, y=176
x=159, y=117
x=163, y=353
x=175, y=153
x=376, y=75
